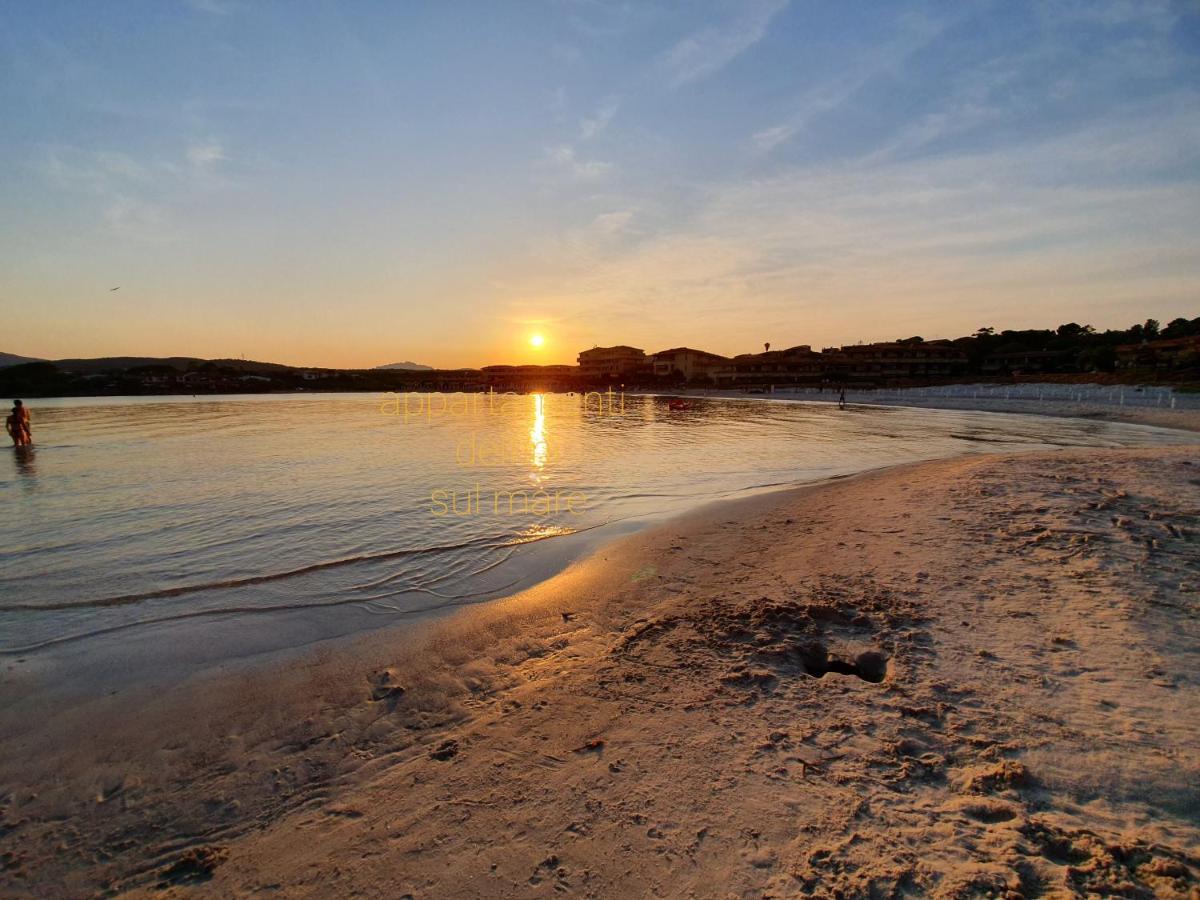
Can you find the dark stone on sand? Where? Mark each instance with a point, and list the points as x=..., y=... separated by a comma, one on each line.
x=444, y=751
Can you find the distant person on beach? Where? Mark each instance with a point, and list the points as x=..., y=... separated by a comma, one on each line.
x=842, y=399
x=17, y=425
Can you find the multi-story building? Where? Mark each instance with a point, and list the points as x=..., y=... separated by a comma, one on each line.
x=602, y=363
x=691, y=365
x=1164, y=354
x=796, y=365
x=1026, y=362
x=531, y=378
x=899, y=359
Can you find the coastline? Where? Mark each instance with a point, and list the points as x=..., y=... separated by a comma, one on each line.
x=1154, y=417
x=652, y=716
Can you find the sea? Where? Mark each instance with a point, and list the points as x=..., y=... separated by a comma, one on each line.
x=222, y=527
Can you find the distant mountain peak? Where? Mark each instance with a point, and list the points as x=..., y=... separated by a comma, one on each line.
x=410, y=366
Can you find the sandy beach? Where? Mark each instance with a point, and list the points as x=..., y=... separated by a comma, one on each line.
x=969, y=677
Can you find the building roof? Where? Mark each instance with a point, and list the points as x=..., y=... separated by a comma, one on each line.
x=690, y=350
x=776, y=354
x=617, y=347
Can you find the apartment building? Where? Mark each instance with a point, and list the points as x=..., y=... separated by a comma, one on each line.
x=895, y=359
x=795, y=365
x=621, y=361
x=691, y=365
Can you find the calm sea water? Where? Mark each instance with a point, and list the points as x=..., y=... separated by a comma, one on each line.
x=132, y=512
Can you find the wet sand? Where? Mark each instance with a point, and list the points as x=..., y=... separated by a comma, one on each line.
x=967, y=677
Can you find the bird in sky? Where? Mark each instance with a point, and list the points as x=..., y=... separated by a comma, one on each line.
x=117, y=288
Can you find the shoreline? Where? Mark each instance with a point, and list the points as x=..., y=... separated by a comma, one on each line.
x=101, y=664
x=680, y=645
x=143, y=658
x=1154, y=417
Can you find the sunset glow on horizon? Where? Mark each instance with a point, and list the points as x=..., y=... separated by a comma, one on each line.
x=353, y=187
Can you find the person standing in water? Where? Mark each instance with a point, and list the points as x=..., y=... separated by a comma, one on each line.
x=17, y=425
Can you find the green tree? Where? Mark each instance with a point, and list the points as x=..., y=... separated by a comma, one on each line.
x=1177, y=328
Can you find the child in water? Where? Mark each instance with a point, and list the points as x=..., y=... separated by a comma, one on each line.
x=17, y=425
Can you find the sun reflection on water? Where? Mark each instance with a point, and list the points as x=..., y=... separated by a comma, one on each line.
x=539, y=532
x=537, y=434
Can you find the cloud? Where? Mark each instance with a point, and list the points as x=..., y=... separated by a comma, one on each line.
x=68, y=167
x=591, y=127
x=612, y=223
x=710, y=49
x=1158, y=15
x=564, y=158
x=206, y=154
x=133, y=198
x=991, y=100
x=770, y=138
x=138, y=220
x=912, y=34
x=1094, y=222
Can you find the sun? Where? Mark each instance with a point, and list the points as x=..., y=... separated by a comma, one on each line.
x=537, y=340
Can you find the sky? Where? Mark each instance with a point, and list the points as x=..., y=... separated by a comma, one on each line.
x=358, y=183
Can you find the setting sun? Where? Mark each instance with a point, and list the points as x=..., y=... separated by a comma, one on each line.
x=537, y=340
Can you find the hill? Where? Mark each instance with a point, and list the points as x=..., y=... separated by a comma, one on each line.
x=119, y=363
x=11, y=359
x=103, y=364
x=407, y=366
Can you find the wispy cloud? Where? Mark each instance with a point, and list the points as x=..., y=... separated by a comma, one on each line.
x=913, y=33
x=596, y=124
x=132, y=197
x=994, y=97
x=205, y=154
x=710, y=49
x=1160, y=15
x=770, y=138
x=564, y=158
x=879, y=248
x=68, y=167
x=138, y=220
x=611, y=224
